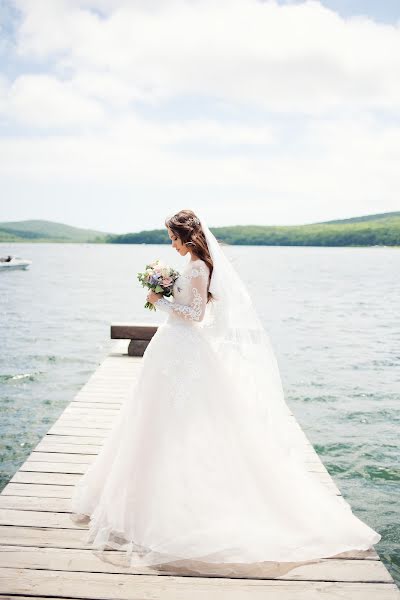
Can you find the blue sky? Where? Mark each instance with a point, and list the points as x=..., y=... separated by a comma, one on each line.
x=386, y=11
x=249, y=112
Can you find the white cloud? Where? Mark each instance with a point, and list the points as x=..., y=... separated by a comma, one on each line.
x=264, y=66
x=44, y=101
x=293, y=58
x=3, y=94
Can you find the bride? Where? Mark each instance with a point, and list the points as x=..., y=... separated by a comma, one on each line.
x=202, y=462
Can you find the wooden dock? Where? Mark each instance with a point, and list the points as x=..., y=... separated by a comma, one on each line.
x=43, y=550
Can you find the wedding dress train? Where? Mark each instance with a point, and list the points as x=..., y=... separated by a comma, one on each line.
x=192, y=470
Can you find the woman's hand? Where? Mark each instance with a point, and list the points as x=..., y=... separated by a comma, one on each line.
x=153, y=297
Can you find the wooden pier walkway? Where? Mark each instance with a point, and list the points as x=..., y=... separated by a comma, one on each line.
x=43, y=554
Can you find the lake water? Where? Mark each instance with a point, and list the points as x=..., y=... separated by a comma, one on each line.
x=332, y=315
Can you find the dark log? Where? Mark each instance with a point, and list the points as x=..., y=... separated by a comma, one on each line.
x=133, y=331
x=140, y=335
x=137, y=347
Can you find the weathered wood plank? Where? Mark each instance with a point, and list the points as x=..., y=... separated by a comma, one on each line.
x=62, y=439
x=68, y=478
x=42, y=504
x=35, y=518
x=61, y=447
x=45, y=478
x=103, y=423
x=314, y=466
x=47, y=537
x=96, y=431
x=68, y=559
x=53, y=466
x=100, y=399
x=77, y=432
x=61, y=457
x=26, y=492
x=88, y=412
x=81, y=404
x=12, y=535
x=92, y=419
x=122, y=586
x=37, y=490
x=53, y=443
x=72, y=478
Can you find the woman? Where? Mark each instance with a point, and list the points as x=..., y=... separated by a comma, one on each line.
x=202, y=463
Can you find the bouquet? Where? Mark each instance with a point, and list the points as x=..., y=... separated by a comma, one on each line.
x=158, y=277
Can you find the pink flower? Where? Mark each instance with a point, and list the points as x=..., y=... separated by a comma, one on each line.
x=166, y=281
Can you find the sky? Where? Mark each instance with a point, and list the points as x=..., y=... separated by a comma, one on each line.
x=115, y=114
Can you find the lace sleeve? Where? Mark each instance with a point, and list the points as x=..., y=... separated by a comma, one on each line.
x=198, y=283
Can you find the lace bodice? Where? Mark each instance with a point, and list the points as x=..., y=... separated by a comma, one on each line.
x=189, y=293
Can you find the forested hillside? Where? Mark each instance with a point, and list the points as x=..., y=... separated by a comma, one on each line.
x=370, y=230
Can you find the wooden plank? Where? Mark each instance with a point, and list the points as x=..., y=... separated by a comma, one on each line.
x=44, y=537
x=123, y=586
x=36, y=518
x=82, y=440
x=101, y=389
x=57, y=442
x=93, y=419
x=61, y=457
x=37, y=490
x=61, y=447
x=77, y=432
x=108, y=385
x=53, y=466
x=68, y=478
x=90, y=410
x=74, y=538
x=80, y=404
x=43, y=503
x=72, y=478
x=34, y=488
x=103, y=423
x=30, y=491
x=87, y=458
x=45, y=478
x=93, y=431
x=68, y=559
x=100, y=399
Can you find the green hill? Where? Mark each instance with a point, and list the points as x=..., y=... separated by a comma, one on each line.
x=47, y=231
x=369, y=230
x=379, y=217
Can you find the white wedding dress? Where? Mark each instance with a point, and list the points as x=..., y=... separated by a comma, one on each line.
x=187, y=471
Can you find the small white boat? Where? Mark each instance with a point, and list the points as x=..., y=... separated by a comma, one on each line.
x=14, y=262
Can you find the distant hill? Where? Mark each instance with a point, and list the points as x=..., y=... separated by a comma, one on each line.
x=47, y=231
x=370, y=230
x=382, y=229
x=378, y=217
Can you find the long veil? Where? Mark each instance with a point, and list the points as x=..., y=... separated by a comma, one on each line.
x=237, y=335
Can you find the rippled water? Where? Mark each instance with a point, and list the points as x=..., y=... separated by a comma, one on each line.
x=332, y=316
